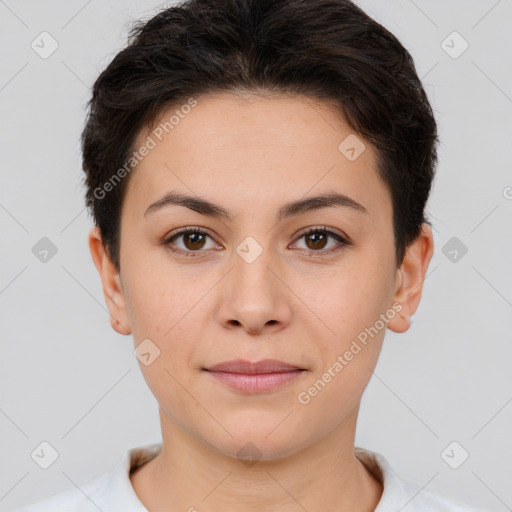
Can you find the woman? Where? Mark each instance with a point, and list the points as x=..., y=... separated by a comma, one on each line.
x=258, y=172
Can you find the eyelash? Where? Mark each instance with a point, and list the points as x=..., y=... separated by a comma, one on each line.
x=192, y=230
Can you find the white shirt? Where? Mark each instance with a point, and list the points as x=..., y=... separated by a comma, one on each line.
x=113, y=492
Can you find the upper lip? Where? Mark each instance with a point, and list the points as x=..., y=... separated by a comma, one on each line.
x=248, y=367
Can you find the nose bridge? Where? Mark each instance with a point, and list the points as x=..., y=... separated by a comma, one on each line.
x=253, y=297
x=252, y=272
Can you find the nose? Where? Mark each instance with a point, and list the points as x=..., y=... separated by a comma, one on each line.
x=254, y=298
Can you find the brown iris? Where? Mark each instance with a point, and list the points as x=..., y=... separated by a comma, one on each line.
x=196, y=239
x=319, y=240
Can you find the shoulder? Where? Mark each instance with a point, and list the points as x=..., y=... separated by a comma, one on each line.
x=422, y=500
x=104, y=493
x=401, y=494
x=87, y=498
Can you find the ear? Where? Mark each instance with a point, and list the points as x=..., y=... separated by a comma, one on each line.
x=111, y=283
x=410, y=277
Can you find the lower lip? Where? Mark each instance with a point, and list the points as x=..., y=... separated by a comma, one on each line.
x=256, y=383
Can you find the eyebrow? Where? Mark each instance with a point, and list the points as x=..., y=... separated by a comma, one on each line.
x=213, y=210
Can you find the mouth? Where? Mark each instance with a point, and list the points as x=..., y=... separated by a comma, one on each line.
x=254, y=377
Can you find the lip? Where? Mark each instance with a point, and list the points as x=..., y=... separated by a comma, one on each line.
x=253, y=368
x=254, y=377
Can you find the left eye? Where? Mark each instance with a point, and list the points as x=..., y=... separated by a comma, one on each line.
x=194, y=240
x=316, y=239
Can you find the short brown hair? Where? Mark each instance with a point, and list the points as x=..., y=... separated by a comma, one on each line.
x=327, y=49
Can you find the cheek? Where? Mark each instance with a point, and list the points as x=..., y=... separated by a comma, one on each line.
x=160, y=298
x=347, y=300
x=166, y=317
x=167, y=310
x=356, y=308
x=346, y=358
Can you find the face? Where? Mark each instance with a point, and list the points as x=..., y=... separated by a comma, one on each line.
x=266, y=273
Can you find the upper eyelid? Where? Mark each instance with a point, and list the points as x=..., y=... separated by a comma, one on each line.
x=330, y=231
x=190, y=229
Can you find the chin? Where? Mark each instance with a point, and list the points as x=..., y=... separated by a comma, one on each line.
x=260, y=440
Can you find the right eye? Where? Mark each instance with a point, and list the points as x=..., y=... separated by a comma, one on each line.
x=193, y=241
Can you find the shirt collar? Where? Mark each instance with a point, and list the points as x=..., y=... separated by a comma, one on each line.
x=395, y=493
x=118, y=492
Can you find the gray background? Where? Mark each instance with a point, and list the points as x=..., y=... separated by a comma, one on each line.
x=67, y=378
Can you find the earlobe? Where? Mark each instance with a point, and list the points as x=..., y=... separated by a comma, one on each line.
x=111, y=283
x=401, y=325
x=410, y=278
x=118, y=327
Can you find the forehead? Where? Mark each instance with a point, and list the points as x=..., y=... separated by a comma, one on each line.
x=245, y=150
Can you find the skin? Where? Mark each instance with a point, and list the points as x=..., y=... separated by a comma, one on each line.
x=291, y=303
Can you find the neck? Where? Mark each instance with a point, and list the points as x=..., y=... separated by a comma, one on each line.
x=189, y=475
